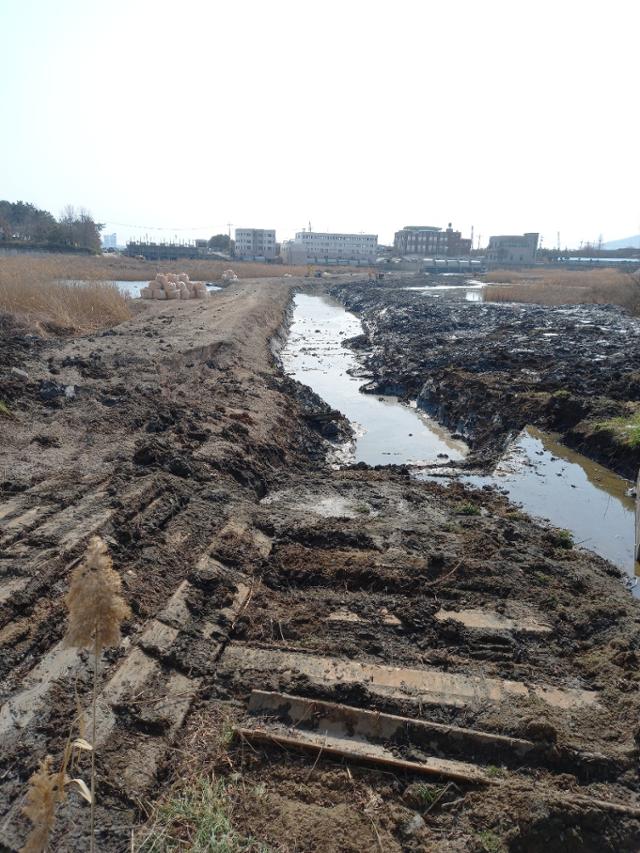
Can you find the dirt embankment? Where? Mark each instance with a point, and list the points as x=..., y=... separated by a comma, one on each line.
x=250, y=565
x=486, y=370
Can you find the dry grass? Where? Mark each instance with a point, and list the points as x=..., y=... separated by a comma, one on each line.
x=31, y=290
x=566, y=287
x=119, y=268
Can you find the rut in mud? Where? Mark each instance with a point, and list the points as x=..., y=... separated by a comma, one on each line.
x=251, y=565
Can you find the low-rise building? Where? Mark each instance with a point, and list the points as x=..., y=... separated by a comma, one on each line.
x=315, y=247
x=427, y=240
x=512, y=249
x=254, y=244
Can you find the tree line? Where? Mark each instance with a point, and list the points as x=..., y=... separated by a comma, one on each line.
x=23, y=223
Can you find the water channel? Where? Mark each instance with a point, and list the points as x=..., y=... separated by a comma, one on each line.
x=543, y=476
x=386, y=430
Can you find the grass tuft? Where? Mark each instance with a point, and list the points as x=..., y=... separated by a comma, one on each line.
x=197, y=818
x=468, y=509
x=626, y=430
x=490, y=842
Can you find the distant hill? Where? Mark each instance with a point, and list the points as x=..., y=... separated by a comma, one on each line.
x=625, y=243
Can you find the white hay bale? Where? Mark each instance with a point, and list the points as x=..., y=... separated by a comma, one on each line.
x=173, y=294
x=146, y=292
x=159, y=294
x=184, y=294
x=172, y=277
x=183, y=277
x=161, y=278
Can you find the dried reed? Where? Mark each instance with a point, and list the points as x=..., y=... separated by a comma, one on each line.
x=43, y=796
x=96, y=612
x=33, y=290
x=566, y=287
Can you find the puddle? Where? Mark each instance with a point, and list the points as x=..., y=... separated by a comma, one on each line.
x=553, y=482
x=387, y=432
x=470, y=291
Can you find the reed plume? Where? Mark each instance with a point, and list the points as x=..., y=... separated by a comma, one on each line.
x=96, y=609
x=96, y=612
x=42, y=797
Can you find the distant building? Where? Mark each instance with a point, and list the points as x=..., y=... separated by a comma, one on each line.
x=428, y=241
x=512, y=249
x=255, y=244
x=314, y=247
x=109, y=241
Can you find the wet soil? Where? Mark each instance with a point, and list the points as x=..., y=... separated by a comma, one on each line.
x=205, y=470
x=486, y=370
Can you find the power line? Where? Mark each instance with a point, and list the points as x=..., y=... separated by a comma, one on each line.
x=164, y=227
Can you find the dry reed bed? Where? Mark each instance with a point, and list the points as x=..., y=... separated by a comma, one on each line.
x=32, y=293
x=566, y=287
x=118, y=268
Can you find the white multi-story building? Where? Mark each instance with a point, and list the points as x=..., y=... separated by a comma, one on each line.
x=109, y=241
x=255, y=244
x=314, y=247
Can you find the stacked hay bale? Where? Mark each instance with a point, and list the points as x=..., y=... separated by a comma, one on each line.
x=229, y=275
x=172, y=286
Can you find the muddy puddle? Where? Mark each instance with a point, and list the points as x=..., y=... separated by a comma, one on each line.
x=387, y=431
x=470, y=290
x=551, y=481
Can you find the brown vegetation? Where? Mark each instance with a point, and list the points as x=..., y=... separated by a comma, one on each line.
x=31, y=290
x=120, y=268
x=566, y=287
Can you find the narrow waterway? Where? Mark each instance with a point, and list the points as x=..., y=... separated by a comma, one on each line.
x=547, y=479
x=387, y=431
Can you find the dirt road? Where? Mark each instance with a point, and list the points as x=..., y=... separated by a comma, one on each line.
x=251, y=565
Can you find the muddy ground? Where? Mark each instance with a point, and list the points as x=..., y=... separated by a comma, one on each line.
x=249, y=563
x=486, y=370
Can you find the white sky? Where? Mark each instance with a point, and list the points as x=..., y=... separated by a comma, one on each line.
x=358, y=116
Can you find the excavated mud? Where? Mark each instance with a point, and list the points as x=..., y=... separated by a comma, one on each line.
x=251, y=564
x=487, y=370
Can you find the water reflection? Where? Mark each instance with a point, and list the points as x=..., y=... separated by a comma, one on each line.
x=553, y=482
x=386, y=430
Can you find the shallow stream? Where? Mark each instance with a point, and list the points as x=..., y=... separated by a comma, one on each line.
x=387, y=431
x=548, y=479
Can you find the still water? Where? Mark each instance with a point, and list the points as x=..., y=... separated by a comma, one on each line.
x=387, y=431
x=551, y=481
x=546, y=478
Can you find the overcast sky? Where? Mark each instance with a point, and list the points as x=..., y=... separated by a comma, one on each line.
x=355, y=116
